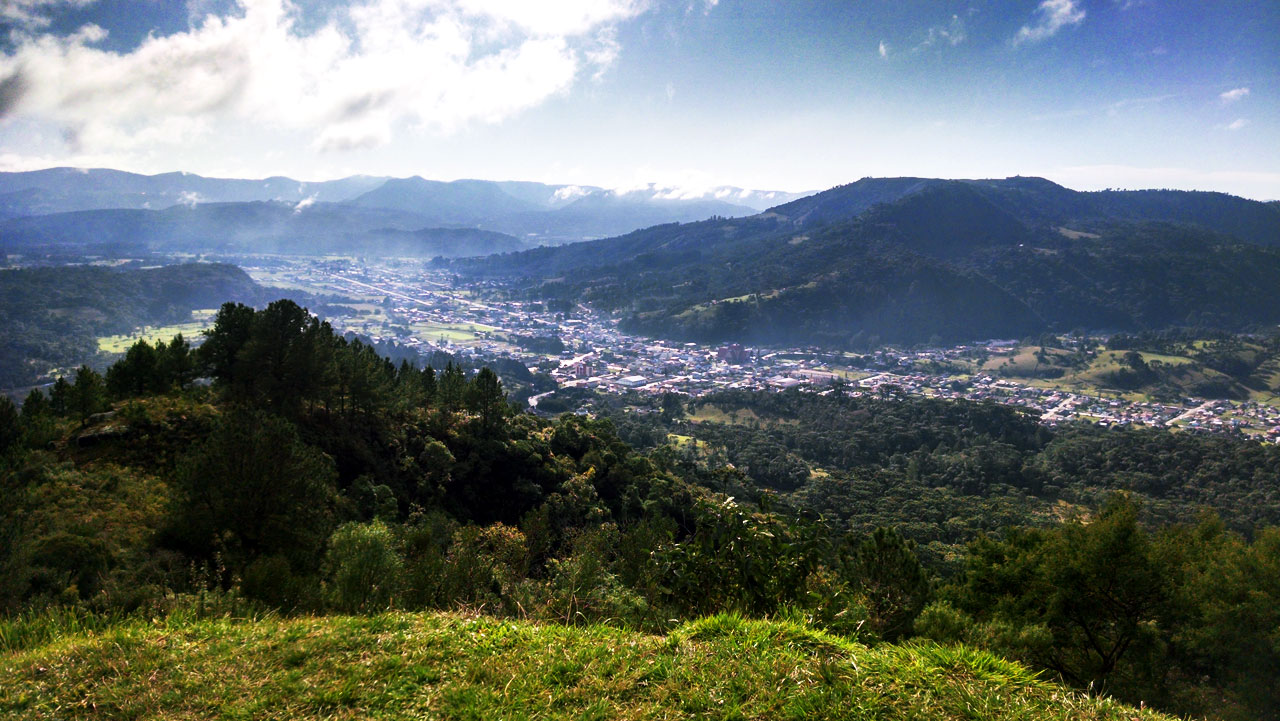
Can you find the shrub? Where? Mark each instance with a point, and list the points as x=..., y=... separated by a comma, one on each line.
x=363, y=567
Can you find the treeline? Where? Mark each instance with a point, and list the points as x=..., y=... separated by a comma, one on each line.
x=313, y=475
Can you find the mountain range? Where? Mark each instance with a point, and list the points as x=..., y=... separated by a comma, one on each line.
x=69, y=210
x=915, y=260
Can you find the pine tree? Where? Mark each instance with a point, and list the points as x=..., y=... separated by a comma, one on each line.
x=486, y=398
x=88, y=394
x=60, y=397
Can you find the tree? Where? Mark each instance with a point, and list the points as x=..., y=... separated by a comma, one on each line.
x=1100, y=590
x=88, y=394
x=223, y=341
x=36, y=405
x=60, y=397
x=894, y=584
x=135, y=374
x=486, y=397
x=255, y=488
x=452, y=388
x=672, y=407
x=363, y=567
x=10, y=426
x=428, y=385
x=177, y=363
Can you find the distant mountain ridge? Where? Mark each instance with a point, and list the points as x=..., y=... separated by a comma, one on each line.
x=913, y=260
x=253, y=227
x=535, y=212
x=1039, y=202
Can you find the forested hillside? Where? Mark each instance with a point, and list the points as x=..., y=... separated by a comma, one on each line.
x=917, y=261
x=315, y=476
x=52, y=317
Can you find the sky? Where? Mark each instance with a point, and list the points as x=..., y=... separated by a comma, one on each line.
x=768, y=94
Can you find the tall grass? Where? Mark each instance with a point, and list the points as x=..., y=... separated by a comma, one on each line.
x=36, y=627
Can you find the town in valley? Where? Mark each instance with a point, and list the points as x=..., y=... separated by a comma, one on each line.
x=411, y=304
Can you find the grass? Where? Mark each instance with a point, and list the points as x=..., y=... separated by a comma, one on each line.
x=680, y=441
x=454, y=666
x=1093, y=379
x=712, y=413
x=200, y=320
x=453, y=332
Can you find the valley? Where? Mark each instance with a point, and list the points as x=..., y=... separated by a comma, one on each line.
x=619, y=359
x=421, y=308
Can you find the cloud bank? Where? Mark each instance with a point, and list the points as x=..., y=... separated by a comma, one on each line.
x=370, y=70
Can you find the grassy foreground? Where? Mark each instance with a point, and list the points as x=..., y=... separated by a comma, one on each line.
x=449, y=666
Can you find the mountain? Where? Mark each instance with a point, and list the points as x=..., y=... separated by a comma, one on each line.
x=446, y=242
x=546, y=214
x=1036, y=202
x=549, y=214
x=461, y=201
x=60, y=190
x=914, y=260
x=254, y=227
x=605, y=212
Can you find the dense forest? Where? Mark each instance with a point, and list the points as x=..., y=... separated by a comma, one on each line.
x=52, y=317
x=315, y=475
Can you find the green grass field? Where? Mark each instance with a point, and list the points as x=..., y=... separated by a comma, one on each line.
x=711, y=413
x=682, y=441
x=453, y=666
x=460, y=333
x=200, y=320
x=1092, y=379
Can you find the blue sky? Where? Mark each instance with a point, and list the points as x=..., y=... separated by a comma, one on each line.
x=765, y=94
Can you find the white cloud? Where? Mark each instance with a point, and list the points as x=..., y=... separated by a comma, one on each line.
x=1232, y=96
x=953, y=33
x=884, y=49
x=570, y=192
x=1053, y=16
x=374, y=69
x=1237, y=124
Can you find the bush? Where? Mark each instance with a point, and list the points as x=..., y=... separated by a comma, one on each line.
x=583, y=587
x=485, y=566
x=271, y=580
x=363, y=567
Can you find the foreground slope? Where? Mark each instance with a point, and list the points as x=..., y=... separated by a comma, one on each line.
x=451, y=666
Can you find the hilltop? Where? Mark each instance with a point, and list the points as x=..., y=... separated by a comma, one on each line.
x=451, y=666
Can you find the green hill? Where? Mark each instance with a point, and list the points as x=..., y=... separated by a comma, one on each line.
x=453, y=666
